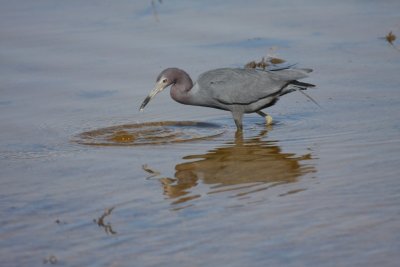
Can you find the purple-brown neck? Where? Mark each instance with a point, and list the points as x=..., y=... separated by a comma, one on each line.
x=181, y=84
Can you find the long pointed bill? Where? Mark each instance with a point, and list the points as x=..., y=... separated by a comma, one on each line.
x=158, y=88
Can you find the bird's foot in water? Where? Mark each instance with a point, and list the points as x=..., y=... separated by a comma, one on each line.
x=268, y=120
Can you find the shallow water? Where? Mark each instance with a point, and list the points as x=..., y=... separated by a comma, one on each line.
x=88, y=180
x=150, y=133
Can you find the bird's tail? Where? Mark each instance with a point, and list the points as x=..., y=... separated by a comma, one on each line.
x=301, y=84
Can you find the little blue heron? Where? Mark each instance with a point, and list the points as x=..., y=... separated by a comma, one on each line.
x=236, y=90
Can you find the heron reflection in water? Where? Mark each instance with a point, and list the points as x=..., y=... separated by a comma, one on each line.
x=244, y=166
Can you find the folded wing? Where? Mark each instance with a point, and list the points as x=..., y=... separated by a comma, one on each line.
x=246, y=86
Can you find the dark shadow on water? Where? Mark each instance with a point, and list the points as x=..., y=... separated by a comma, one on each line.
x=243, y=166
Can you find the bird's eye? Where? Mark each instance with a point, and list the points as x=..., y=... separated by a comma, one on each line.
x=164, y=81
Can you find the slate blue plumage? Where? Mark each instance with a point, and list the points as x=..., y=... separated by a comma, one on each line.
x=236, y=90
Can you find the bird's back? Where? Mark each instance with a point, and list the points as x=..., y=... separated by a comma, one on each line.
x=246, y=86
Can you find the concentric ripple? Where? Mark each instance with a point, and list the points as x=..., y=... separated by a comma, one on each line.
x=150, y=133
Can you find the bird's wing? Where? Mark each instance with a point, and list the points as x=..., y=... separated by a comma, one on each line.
x=245, y=86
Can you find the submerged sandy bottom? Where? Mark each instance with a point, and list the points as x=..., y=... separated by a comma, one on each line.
x=87, y=180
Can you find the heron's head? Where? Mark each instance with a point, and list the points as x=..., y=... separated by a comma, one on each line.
x=165, y=79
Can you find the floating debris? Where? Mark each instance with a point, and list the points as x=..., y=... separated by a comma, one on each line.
x=262, y=64
x=390, y=37
x=50, y=259
x=151, y=171
x=100, y=221
x=251, y=65
x=58, y=221
x=270, y=59
x=276, y=61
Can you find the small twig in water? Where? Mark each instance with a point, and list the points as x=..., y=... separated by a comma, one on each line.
x=100, y=221
x=151, y=171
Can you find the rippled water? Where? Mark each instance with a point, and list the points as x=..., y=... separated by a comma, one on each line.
x=151, y=133
x=87, y=180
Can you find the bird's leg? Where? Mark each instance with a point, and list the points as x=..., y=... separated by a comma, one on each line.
x=239, y=125
x=268, y=118
x=237, y=117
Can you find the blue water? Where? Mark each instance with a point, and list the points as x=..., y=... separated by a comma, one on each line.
x=318, y=188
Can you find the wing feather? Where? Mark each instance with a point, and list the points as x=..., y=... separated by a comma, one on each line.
x=246, y=86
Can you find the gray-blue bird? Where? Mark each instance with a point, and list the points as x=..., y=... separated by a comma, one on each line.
x=236, y=90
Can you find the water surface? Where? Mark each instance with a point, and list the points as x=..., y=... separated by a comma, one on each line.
x=87, y=180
